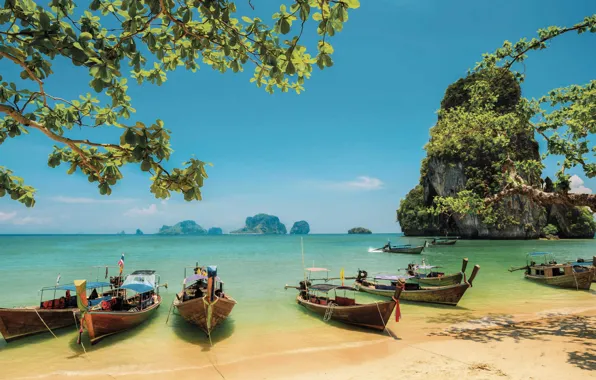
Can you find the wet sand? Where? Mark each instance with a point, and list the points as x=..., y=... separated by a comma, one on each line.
x=545, y=345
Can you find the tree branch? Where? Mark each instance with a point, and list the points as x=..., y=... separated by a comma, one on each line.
x=556, y=198
x=29, y=72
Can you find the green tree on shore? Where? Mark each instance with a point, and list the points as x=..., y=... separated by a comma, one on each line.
x=143, y=40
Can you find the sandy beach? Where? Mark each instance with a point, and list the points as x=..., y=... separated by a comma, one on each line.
x=547, y=345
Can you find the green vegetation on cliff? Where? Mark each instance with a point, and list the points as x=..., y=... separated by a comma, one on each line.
x=414, y=215
x=187, y=227
x=359, y=230
x=300, y=228
x=262, y=224
x=482, y=173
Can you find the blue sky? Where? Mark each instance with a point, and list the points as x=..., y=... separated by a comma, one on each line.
x=341, y=154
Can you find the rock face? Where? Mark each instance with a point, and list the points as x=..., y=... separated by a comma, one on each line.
x=139, y=232
x=448, y=178
x=215, y=231
x=572, y=222
x=187, y=227
x=465, y=154
x=262, y=224
x=300, y=228
x=359, y=230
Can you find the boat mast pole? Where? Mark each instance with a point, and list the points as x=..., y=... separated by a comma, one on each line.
x=303, y=266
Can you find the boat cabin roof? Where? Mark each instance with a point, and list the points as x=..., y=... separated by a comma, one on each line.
x=144, y=271
x=140, y=281
x=391, y=277
x=72, y=287
x=325, y=288
x=317, y=270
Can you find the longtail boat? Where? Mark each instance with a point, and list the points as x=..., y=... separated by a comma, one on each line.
x=426, y=275
x=442, y=241
x=203, y=302
x=549, y=272
x=49, y=315
x=446, y=295
x=123, y=311
x=341, y=306
x=588, y=264
x=406, y=248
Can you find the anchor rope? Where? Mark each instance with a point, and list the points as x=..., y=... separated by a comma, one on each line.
x=44, y=323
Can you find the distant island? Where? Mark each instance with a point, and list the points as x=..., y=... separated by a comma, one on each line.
x=121, y=233
x=359, y=230
x=187, y=227
x=215, y=231
x=139, y=232
x=262, y=224
x=300, y=228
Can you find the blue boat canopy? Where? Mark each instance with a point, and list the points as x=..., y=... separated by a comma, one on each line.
x=72, y=288
x=140, y=283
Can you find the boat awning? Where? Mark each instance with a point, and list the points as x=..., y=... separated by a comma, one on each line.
x=139, y=283
x=72, y=288
x=328, y=287
x=582, y=263
x=390, y=277
x=317, y=269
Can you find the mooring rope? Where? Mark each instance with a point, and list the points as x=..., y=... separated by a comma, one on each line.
x=44, y=323
x=77, y=326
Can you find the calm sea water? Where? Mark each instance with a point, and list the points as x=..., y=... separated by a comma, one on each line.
x=255, y=270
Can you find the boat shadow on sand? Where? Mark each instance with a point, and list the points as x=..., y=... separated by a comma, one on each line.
x=194, y=335
x=40, y=338
x=109, y=340
x=573, y=329
x=387, y=332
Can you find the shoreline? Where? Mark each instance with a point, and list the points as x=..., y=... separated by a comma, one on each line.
x=523, y=346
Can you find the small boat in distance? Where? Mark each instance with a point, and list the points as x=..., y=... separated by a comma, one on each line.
x=122, y=311
x=49, y=315
x=549, y=272
x=203, y=302
x=342, y=306
x=403, y=248
x=426, y=275
x=385, y=285
x=442, y=241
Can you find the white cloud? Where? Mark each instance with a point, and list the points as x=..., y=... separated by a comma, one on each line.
x=164, y=202
x=79, y=200
x=365, y=183
x=152, y=209
x=4, y=216
x=577, y=186
x=30, y=220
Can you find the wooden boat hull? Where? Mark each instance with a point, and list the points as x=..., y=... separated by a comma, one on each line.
x=100, y=324
x=374, y=316
x=21, y=322
x=195, y=311
x=445, y=295
x=579, y=280
x=412, y=250
x=450, y=242
x=449, y=279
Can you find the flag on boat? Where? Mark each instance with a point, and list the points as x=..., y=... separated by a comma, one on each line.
x=121, y=263
x=58, y=279
x=342, y=276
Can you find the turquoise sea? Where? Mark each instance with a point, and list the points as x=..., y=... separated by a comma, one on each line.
x=255, y=270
